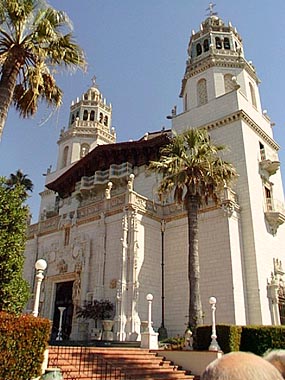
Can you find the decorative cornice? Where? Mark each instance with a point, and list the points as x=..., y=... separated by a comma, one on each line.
x=242, y=115
x=87, y=129
x=115, y=205
x=215, y=60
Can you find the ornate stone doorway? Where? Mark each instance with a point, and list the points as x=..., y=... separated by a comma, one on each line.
x=63, y=298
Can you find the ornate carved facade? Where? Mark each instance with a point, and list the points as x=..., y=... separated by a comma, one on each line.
x=100, y=225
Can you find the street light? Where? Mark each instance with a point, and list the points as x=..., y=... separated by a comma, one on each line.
x=40, y=266
x=214, y=346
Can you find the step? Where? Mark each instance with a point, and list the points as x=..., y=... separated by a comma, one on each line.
x=136, y=363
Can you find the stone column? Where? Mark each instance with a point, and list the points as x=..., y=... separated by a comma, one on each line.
x=133, y=283
x=120, y=318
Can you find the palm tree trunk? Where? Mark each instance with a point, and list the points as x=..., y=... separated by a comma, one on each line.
x=10, y=71
x=195, y=306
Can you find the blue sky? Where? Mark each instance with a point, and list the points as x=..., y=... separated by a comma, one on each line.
x=137, y=49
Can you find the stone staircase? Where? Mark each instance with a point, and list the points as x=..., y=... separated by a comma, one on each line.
x=88, y=363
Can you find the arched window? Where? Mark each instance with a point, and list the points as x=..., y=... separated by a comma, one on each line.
x=72, y=118
x=77, y=114
x=106, y=120
x=206, y=45
x=252, y=94
x=92, y=115
x=84, y=149
x=64, y=157
x=227, y=45
x=100, y=117
x=202, y=95
x=198, y=49
x=86, y=96
x=85, y=115
x=218, y=43
x=228, y=82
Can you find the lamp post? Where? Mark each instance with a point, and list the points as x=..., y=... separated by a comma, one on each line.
x=162, y=330
x=149, y=299
x=214, y=346
x=40, y=266
x=61, y=310
x=149, y=338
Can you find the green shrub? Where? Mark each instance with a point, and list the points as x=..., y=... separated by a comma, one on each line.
x=258, y=339
x=23, y=340
x=175, y=343
x=14, y=290
x=229, y=337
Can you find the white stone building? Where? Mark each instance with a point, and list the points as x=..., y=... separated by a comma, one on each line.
x=104, y=233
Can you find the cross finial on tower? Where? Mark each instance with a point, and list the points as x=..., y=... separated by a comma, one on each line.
x=94, y=81
x=210, y=9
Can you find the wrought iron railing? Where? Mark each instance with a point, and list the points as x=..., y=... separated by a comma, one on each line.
x=79, y=362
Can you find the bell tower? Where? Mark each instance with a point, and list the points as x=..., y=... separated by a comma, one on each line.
x=220, y=92
x=89, y=125
x=216, y=66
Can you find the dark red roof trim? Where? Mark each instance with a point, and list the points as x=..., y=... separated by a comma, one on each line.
x=137, y=153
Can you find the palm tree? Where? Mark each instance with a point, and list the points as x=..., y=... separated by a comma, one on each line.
x=19, y=178
x=35, y=39
x=192, y=166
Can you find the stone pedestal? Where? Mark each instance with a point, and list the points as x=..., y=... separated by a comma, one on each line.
x=79, y=330
x=149, y=340
x=107, y=329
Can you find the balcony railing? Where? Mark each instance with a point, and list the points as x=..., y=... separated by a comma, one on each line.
x=274, y=213
x=102, y=177
x=274, y=205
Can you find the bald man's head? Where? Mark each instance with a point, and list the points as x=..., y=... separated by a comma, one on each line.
x=240, y=366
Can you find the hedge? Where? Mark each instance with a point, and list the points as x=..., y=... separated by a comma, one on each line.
x=229, y=337
x=257, y=339
x=23, y=340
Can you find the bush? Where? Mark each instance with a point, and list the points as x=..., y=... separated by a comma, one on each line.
x=175, y=343
x=258, y=339
x=14, y=290
x=97, y=310
x=23, y=340
x=229, y=337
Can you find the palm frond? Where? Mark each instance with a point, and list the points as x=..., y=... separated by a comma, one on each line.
x=35, y=41
x=191, y=165
x=38, y=84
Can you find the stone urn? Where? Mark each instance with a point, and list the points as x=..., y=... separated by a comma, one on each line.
x=107, y=329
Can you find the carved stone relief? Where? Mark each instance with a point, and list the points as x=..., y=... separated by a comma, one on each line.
x=276, y=291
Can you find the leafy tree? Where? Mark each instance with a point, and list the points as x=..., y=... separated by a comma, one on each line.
x=19, y=178
x=35, y=39
x=97, y=310
x=14, y=290
x=192, y=167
